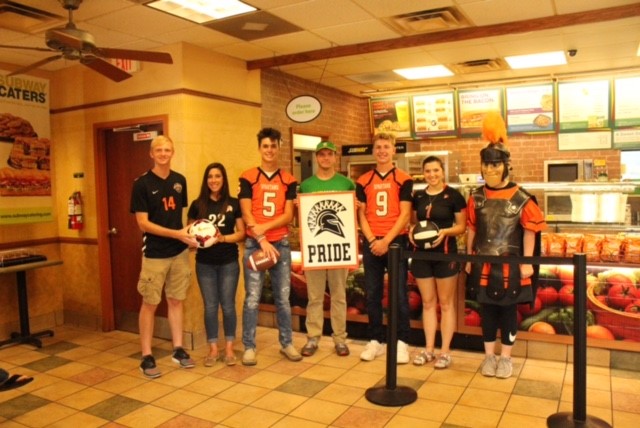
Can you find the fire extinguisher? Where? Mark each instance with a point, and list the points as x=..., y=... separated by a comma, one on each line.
x=75, y=211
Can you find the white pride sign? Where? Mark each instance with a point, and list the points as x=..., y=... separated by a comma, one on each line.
x=328, y=231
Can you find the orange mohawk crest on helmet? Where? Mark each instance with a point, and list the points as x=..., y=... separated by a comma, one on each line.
x=494, y=129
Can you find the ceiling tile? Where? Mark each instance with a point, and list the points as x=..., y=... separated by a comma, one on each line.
x=357, y=32
x=506, y=11
x=315, y=14
x=292, y=43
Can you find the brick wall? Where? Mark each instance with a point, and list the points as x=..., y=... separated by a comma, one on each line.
x=345, y=120
x=527, y=155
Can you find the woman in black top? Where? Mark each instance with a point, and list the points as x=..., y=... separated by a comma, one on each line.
x=217, y=267
x=437, y=280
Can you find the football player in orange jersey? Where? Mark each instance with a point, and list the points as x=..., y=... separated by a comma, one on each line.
x=266, y=200
x=384, y=194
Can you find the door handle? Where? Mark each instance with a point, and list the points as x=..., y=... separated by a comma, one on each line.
x=112, y=231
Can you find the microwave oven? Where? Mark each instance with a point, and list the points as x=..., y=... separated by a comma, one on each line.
x=568, y=170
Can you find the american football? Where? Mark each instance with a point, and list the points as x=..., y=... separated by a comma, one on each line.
x=424, y=234
x=205, y=232
x=258, y=261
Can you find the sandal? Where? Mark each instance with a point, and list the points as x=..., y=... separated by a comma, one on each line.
x=423, y=358
x=443, y=361
x=210, y=360
x=230, y=360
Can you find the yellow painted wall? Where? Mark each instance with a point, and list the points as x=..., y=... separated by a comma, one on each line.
x=204, y=129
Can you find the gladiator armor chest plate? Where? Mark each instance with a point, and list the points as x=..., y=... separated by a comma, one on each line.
x=499, y=232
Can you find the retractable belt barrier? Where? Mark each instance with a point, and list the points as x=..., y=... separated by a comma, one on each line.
x=393, y=395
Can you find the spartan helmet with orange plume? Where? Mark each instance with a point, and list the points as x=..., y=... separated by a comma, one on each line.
x=494, y=130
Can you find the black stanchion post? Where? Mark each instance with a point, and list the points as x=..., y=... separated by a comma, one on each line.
x=578, y=418
x=391, y=394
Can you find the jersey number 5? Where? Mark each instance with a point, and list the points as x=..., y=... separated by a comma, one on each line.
x=268, y=205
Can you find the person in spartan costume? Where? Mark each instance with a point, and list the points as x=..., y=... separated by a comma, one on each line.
x=503, y=220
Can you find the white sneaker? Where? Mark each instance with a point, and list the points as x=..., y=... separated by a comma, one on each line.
x=372, y=350
x=403, y=353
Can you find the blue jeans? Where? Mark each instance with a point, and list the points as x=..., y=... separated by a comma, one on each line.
x=374, y=270
x=218, y=285
x=281, y=286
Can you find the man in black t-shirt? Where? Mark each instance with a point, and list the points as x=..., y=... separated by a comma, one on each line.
x=157, y=200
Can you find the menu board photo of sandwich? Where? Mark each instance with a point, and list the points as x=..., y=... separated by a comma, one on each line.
x=434, y=115
x=474, y=105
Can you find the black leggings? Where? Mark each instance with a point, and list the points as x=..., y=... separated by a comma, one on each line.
x=503, y=317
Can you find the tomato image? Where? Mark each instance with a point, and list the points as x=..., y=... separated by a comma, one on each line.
x=565, y=273
x=542, y=328
x=471, y=318
x=634, y=307
x=548, y=296
x=621, y=295
x=351, y=310
x=599, y=332
x=526, y=310
x=566, y=296
x=415, y=301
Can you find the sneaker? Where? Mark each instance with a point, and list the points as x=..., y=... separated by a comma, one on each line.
x=181, y=357
x=148, y=367
x=291, y=353
x=249, y=357
x=403, y=353
x=342, y=349
x=423, y=358
x=488, y=366
x=372, y=350
x=505, y=368
x=443, y=361
x=310, y=347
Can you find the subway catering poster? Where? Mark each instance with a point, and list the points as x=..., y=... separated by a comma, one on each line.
x=328, y=232
x=25, y=150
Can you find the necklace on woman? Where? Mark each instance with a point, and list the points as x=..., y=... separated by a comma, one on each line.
x=432, y=199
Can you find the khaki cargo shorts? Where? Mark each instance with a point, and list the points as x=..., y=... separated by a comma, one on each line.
x=172, y=273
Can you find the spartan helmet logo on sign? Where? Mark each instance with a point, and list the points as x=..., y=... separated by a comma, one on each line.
x=323, y=217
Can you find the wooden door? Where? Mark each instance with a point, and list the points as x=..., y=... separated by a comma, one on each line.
x=125, y=161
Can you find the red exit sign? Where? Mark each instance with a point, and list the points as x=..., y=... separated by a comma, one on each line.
x=128, y=65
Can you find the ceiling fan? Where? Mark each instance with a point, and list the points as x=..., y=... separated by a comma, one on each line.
x=71, y=43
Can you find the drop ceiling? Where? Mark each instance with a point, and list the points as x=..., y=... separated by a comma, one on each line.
x=353, y=45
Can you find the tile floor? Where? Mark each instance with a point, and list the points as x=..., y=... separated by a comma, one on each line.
x=91, y=379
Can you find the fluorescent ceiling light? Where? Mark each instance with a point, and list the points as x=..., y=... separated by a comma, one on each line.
x=428, y=72
x=545, y=59
x=202, y=10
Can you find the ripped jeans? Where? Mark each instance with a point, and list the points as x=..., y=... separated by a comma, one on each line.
x=280, y=275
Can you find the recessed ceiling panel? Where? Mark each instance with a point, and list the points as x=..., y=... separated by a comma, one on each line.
x=253, y=26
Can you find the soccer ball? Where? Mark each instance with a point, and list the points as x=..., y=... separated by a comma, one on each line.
x=259, y=261
x=425, y=234
x=205, y=232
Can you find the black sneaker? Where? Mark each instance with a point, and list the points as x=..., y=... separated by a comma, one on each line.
x=181, y=357
x=148, y=367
